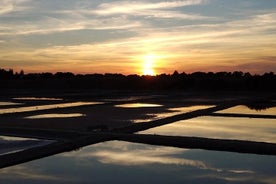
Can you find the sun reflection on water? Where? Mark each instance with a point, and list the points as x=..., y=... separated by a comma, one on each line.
x=251, y=129
x=46, y=107
x=38, y=98
x=46, y=116
x=138, y=105
x=9, y=103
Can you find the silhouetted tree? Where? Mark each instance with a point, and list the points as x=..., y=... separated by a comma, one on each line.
x=195, y=81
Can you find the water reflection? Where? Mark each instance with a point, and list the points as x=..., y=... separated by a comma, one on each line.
x=45, y=116
x=171, y=112
x=220, y=127
x=14, y=144
x=242, y=109
x=131, y=98
x=191, y=108
x=46, y=107
x=9, y=103
x=130, y=154
x=260, y=105
x=110, y=161
x=138, y=105
x=11, y=138
x=38, y=98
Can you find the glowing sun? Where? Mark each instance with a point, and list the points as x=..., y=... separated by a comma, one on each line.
x=148, y=65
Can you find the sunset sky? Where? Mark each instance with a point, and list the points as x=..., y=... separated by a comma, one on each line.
x=138, y=37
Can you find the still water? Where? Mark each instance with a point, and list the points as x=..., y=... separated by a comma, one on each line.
x=241, y=109
x=124, y=162
x=138, y=105
x=46, y=116
x=220, y=127
x=171, y=112
x=9, y=103
x=38, y=98
x=46, y=107
x=10, y=144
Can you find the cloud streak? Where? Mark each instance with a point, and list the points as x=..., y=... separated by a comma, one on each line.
x=146, y=9
x=131, y=7
x=8, y=6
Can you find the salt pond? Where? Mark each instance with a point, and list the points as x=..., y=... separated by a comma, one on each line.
x=124, y=162
x=9, y=144
x=138, y=105
x=171, y=112
x=46, y=107
x=9, y=103
x=46, y=116
x=38, y=98
x=241, y=109
x=221, y=127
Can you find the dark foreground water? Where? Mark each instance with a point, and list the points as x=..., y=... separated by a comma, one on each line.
x=124, y=162
x=10, y=144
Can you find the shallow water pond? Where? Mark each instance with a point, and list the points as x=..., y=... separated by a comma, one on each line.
x=124, y=162
x=171, y=112
x=9, y=144
x=46, y=107
x=130, y=98
x=220, y=127
x=138, y=105
x=38, y=98
x=242, y=109
x=46, y=116
x=9, y=103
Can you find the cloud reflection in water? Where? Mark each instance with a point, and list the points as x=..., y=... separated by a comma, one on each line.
x=122, y=153
x=124, y=162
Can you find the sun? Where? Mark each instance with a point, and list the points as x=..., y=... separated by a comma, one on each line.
x=149, y=62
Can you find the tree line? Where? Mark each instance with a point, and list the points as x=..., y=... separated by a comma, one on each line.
x=236, y=80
